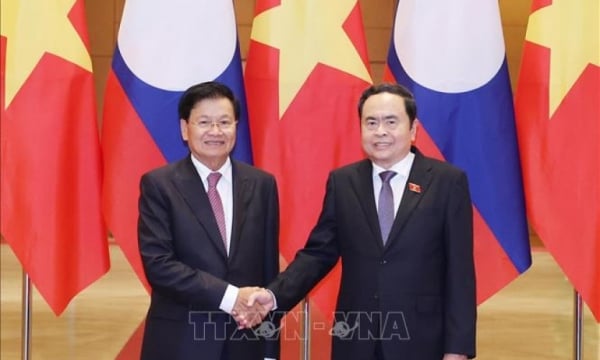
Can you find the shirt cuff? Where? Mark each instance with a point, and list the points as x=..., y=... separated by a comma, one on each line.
x=231, y=294
x=274, y=300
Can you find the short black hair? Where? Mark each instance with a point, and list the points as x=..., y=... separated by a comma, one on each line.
x=392, y=88
x=206, y=90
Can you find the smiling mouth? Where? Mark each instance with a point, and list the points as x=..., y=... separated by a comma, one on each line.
x=379, y=145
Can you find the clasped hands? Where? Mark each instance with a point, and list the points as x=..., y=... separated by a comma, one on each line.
x=252, y=306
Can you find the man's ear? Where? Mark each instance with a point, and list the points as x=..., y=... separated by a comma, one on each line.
x=413, y=130
x=184, y=129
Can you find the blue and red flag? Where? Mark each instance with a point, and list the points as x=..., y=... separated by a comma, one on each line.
x=162, y=49
x=452, y=57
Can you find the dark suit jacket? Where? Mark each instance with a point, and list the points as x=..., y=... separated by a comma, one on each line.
x=417, y=292
x=187, y=266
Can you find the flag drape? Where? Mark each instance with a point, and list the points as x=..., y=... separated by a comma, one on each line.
x=306, y=68
x=51, y=162
x=558, y=123
x=451, y=55
x=162, y=49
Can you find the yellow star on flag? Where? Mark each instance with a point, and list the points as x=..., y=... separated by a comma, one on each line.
x=572, y=32
x=308, y=33
x=33, y=28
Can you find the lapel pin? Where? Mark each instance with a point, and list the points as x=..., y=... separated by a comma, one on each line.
x=414, y=188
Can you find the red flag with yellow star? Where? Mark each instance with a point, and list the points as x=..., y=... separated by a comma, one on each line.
x=50, y=169
x=558, y=125
x=306, y=68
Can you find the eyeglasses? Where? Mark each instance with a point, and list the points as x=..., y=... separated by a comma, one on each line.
x=388, y=124
x=223, y=124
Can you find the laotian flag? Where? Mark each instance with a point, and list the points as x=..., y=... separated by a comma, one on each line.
x=452, y=57
x=163, y=47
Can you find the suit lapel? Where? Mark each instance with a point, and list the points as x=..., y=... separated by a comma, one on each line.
x=188, y=183
x=419, y=177
x=242, y=193
x=363, y=186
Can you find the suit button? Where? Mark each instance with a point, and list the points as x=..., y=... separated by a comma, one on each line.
x=383, y=262
x=375, y=296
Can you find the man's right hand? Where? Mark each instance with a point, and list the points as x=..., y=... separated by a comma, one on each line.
x=245, y=314
x=258, y=303
x=263, y=297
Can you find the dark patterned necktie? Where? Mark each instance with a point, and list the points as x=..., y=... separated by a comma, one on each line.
x=385, y=208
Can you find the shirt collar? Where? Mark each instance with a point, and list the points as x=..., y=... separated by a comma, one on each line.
x=402, y=167
x=204, y=171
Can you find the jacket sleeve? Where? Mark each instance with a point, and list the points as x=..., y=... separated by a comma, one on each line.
x=460, y=305
x=272, y=343
x=164, y=271
x=314, y=261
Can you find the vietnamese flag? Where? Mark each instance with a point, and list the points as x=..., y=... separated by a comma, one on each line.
x=51, y=165
x=306, y=68
x=558, y=124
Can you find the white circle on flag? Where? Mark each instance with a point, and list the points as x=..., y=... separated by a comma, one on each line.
x=174, y=44
x=449, y=46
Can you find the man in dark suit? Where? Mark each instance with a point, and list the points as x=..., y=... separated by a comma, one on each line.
x=208, y=228
x=402, y=225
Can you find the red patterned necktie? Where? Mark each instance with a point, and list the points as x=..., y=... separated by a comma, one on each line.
x=216, y=204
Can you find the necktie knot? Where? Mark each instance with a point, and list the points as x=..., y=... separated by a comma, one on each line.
x=386, y=176
x=213, y=179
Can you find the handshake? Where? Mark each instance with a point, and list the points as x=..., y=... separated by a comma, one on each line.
x=252, y=306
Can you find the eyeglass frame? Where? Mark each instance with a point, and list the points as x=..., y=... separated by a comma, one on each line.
x=221, y=124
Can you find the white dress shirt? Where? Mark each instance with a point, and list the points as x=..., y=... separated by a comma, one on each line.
x=225, y=189
x=398, y=182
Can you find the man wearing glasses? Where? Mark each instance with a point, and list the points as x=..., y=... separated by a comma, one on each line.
x=208, y=228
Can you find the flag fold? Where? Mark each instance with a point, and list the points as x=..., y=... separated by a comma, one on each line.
x=558, y=123
x=51, y=163
x=307, y=66
x=452, y=57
